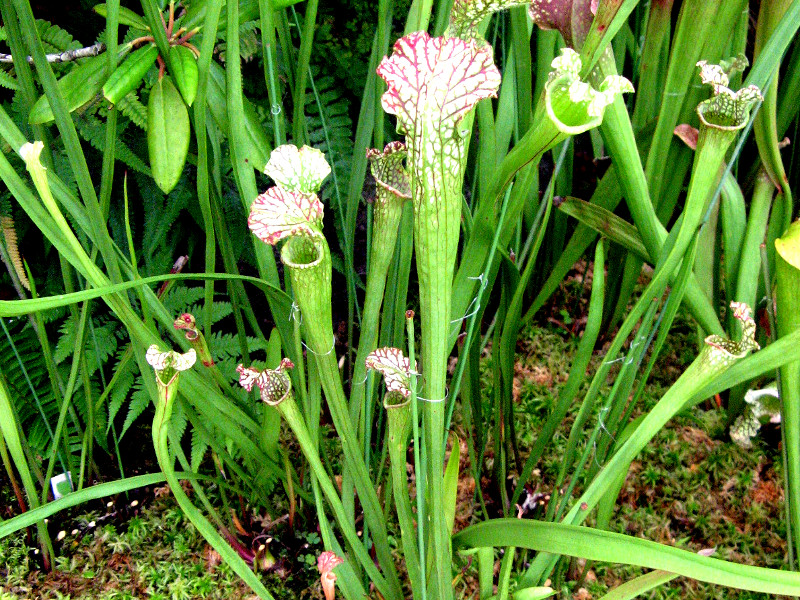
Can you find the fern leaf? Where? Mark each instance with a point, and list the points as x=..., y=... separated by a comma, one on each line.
x=219, y=310
x=120, y=394
x=249, y=42
x=179, y=298
x=227, y=345
x=132, y=107
x=199, y=448
x=54, y=38
x=10, y=236
x=7, y=81
x=93, y=131
x=65, y=345
x=101, y=344
x=140, y=400
x=177, y=424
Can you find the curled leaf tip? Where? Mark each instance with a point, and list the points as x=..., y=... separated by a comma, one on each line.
x=188, y=324
x=573, y=105
x=389, y=172
x=727, y=110
x=297, y=169
x=186, y=321
x=572, y=18
x=168, y=364
x=278, y=213
x=759, y=404
x=395, y=368
x=327, y=561
x=274, y=384
x=687, y=134
x=726, y=348
x=30, y=152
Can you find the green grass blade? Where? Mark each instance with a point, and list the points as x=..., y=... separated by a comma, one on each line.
x=268, y=45
x=603, y=221
x=605, y=546
x=69, y=135
x=299, y=133
x=243, y=171
x=640, y=585
x=577, y=372
x=769, y=59
x=210, y=26
x=11, y=433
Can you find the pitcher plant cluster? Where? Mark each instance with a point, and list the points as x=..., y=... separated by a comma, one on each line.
x=443, y=92
x=434, y=85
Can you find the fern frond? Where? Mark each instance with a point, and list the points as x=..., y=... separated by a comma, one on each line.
x=65, y=345
x=177, y=424
x=219, y=310
x=101, y=344
x=140, y=400
x=23, y=367
x=162, y=223
x=249, y=42
x=93, y=131
x=7, y=81
x=10, y=237
x=226, y=345
x=180, y=297
x=121, y=391
x=132, y=107
x=199, y=448
x=54, y=38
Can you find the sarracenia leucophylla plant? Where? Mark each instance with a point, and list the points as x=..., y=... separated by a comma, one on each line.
x=717, y=355
x=434, y=83
x=392, y=190
x=275, y=389
x=168, y=365
x=397, y=374
x=721, y=117
x=291, y=210
x=195, y=387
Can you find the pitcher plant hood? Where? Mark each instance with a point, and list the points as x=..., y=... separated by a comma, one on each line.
x=278, y=213
x=573, y=105
x=395, y=368
x=274, y=384
x=297, y=169
x=726, y=109
x=435, y=82
x=168, y=364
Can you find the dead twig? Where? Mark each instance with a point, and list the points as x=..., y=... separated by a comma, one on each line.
x=61, y=57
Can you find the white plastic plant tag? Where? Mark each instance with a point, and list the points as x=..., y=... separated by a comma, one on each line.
x=61, y=485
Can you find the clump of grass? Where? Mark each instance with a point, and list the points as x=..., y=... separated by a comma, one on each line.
x=691, y=487
x=156, y=554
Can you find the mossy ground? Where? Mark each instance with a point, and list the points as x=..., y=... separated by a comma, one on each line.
x=155, y=554
x=691, y=487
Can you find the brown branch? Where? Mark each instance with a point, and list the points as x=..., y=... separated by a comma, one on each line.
x=61, y=57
